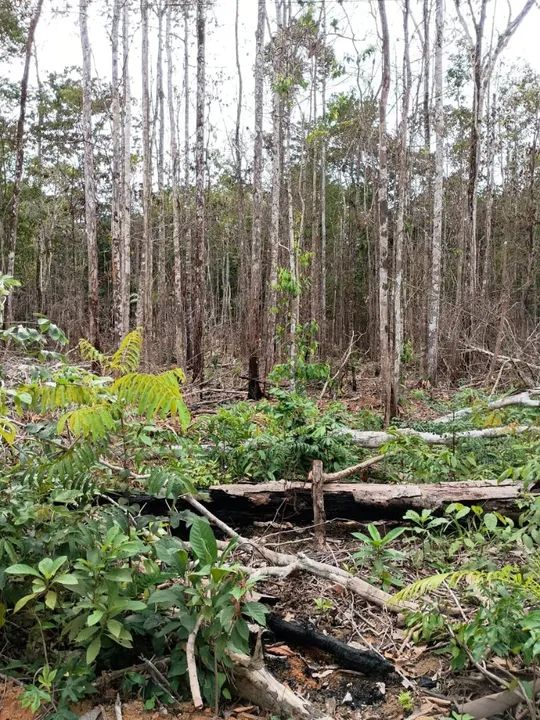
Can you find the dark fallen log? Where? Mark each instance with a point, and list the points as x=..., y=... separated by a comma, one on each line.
x=242, y=503
x=346, y=656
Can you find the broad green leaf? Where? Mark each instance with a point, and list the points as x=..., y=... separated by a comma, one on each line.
x=92, y=651
x=203, y=541
x=21, y=569
x=94, y=617
x=67, y=579
x=23, y=601
x=115, y=628
x=50, y=599
x=256, y=611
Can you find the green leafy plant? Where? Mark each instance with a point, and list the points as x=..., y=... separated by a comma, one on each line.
x=376, y=552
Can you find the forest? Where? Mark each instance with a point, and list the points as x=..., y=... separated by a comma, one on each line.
x=270, y=359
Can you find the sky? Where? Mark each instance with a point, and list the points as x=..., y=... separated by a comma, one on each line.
x=58, y=45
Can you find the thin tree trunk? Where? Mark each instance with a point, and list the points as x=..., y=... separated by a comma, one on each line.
x=399, y=240
x=89, y=177
x=434, y=288
x=384, y=259
x=179, y=343
x=15, y=201
x=322, y=282
x=161, y=260
x=255, y=287
x=144, y=305
x=187, y=274
x=271, y=295
x=117, y=189
x=198, y=254
x=126, y=177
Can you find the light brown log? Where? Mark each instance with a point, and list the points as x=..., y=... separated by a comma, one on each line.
x=528, y=398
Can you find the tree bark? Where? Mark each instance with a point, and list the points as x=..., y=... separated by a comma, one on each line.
x=125, y=264
x=277, y=115
x=399, y=240
x=179, y=343
x=198, y=237
x=15, y=200
x=384, y=258
x=144, y=303
x=89, y=177
x=117, y=189
x=434, y=289
x=254, y=332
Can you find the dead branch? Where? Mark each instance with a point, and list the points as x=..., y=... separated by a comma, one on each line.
x=192, y=665
x=377, y=438
x=495, y=704
x=526, y=399
x=301, y=562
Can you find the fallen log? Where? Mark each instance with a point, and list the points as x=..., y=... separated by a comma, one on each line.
x=528, y=398
x=377, y=438
x=242, y=503
x=346, y=656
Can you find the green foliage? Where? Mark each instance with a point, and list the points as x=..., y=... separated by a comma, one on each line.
x=275, y=440
x=376, y=553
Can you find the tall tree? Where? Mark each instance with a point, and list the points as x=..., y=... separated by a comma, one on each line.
x=144, y=303
x=161, y=260
x=15, y=201
x=175, y=192
x=277, y=122
x=199, y=236
x=125, y=264
x=382, y=195
x=399, y=239
x=434, y=288
x=117, y=189
x=254, y=331
x=89, y=177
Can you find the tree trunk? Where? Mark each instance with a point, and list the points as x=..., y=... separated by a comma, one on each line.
x=126, y=178
x=277, y=113
x=15, y=200
x=397, y=346
x=89, y=177
x=198, y=253
x=117, y=189
x=254, y=332
x=434, y=288
x=179, y=343
x=144, y=304
x=384, y=258
x=161, y=260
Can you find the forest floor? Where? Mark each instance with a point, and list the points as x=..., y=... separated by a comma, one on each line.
x=423, y=684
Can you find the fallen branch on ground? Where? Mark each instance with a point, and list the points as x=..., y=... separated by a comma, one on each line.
x=495, y=704
x=367, y=662
x=377, y=438
x=255, y=684
x=301, y=562
x=505, y=358
x=526, y=399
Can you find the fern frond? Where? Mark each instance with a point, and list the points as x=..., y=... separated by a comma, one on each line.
x=71, y=467
x=154, y=395
x=431, y=584
x=95, y=421
x=90, y=353
x=50, y=396
x=128, y=356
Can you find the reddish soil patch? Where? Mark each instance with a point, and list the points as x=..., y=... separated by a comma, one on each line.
x=10, y=704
